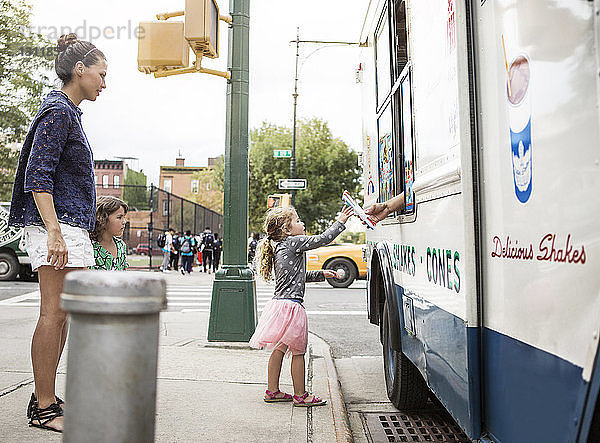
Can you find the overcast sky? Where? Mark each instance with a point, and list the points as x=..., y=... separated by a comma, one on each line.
x=141, y=116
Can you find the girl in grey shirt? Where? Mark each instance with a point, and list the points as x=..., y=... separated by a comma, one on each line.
x=283, y=325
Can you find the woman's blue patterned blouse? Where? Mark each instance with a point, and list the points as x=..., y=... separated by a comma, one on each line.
x=56, y=158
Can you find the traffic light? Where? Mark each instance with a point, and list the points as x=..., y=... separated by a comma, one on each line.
x=275, y=200
x=202, y=27
x=162, y=45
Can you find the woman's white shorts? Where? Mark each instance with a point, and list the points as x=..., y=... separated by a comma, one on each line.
x=79, y=245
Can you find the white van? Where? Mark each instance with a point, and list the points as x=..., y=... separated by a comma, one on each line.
x=13, y=258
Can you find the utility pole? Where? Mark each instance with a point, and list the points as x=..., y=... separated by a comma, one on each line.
x=295, y=95
x=233, y=305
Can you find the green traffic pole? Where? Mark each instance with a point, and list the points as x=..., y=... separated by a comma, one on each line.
x=233, y=303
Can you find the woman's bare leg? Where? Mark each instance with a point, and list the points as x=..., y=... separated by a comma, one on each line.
x=49, y=338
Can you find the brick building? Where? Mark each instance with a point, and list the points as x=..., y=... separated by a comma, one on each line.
x=110, y=175
x=195, y=183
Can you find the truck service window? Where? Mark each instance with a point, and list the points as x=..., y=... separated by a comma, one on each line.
x=401, y=38
x=383, y=59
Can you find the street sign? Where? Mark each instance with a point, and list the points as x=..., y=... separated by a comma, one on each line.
x=292, y=183
x=282, y=153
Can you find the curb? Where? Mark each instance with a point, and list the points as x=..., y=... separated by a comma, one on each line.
x=341, y=420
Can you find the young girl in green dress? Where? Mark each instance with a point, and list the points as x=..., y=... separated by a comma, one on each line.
x=110, y=251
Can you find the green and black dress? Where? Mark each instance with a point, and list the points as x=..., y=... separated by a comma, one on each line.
x=105, y=260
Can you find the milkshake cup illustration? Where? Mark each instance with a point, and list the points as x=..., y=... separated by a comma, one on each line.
x=519, y=117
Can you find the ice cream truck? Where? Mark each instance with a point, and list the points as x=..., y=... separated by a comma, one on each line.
x=485, y=285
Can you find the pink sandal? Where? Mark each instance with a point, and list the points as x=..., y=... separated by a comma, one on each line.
x=300, y=400
x=272, y=396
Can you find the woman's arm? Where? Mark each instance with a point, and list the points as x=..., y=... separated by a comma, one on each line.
x=58, y=255
x=379, y=211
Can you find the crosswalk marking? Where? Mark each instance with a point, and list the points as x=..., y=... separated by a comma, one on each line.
x=183, y=298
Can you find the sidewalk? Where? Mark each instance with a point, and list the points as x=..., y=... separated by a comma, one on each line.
x=207, y=391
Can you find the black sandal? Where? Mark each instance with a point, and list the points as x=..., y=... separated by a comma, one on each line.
x=33, y=402
x=44, y=416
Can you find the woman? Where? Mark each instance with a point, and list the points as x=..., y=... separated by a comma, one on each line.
x=54, y=199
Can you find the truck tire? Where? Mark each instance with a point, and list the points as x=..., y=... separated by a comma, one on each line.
x=406, y=388
x=26, y=274
x=349, y=272
x=9, y=266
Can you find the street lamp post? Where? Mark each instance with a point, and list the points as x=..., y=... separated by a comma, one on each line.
x=233, y=303
x=295, y=94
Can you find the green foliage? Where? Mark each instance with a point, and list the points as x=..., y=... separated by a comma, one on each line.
x=136, y=195
x=24, y=61
x=327, y=163
x=219, y=172
x=8, y=165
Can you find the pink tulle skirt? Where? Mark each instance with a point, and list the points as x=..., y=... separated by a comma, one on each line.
x=282, y=325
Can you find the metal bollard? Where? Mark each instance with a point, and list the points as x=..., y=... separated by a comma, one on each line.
x=112, y=359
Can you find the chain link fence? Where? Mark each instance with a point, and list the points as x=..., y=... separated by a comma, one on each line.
x=152, y=211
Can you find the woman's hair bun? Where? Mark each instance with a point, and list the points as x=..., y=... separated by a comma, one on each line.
x=65, y=41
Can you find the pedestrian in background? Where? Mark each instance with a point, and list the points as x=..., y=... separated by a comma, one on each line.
x=252, y=247
x=166, y=248
x=217, y=248
x=186, y=249
x=208, y=239
x=283, y=325
x=110, y=251
x=54, y=199
x=174, y=263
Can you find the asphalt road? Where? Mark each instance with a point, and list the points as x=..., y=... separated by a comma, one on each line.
x=349, y=334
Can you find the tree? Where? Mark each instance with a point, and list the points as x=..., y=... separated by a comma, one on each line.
x=209, y=187
x=326, y=162
x=135, y=192
x=24, y=61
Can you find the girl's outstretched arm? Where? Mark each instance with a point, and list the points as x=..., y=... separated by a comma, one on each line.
x=312, y=276
x=302, y=243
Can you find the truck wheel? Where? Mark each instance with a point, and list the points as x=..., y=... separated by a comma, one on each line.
x=9, y=266
x=349, y=272
x=406, y=388
x=26, y=274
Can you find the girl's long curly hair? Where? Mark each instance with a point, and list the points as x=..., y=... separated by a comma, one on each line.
x=105, y=205
x=277, y=226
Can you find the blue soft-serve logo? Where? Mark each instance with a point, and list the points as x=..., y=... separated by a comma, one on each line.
x=519, y=117
x=521, y=161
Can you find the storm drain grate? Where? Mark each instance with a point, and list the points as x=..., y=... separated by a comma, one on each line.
x=419, y=426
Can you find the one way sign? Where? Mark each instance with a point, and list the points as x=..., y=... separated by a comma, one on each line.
x=292, y=183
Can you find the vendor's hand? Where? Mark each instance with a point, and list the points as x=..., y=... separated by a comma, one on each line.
x=377, y=212
x=328, y=273
x=58, y=255
x=346, y=213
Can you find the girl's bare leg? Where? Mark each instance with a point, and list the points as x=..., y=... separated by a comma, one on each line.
x=298, y=374
x=274, y=370
x=298, y=377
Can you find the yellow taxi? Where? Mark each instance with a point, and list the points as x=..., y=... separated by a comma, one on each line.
x=346, y=259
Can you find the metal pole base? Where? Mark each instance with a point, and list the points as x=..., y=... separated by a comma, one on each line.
x=233, y=305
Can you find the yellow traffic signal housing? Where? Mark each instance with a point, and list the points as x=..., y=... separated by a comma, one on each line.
x=162, y=45
x=202, y=27
x=275, y=200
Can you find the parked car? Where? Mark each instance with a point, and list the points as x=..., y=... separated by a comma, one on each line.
x=346, y=259
x=142, y=249
x=13, y=257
